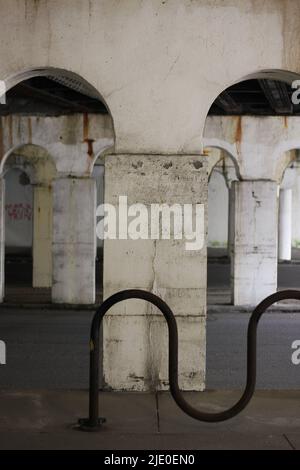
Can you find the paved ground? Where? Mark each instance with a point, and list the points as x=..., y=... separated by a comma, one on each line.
x=218, y=278
x=226, y=351
x=44, y=420
x=49, y=349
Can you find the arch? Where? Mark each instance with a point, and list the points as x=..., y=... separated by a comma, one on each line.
x=28, y=168
x=65, y=77
x=281, y=75
x=39, y=164
x=216, y=137
x=33, y=155
x=226, y=147
x=107, y=149
x=286, y=152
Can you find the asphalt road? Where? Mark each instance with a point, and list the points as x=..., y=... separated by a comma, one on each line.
x=218, y=275
x=49, y=350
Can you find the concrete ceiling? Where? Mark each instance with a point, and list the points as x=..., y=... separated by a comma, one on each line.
x=256, y=97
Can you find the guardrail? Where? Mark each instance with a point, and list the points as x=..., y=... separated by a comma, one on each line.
x=94, y=423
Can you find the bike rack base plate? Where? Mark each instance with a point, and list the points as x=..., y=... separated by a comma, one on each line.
x=85, y=425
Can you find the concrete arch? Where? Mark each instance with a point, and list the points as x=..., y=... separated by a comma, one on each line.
x=63, y=76
x=286, y=154
x=27, y=168
x=102, y=153
x=35, y=156
x=280, y=75
x=223, y=146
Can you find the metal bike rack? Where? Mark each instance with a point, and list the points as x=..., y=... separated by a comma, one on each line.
x=94, y=423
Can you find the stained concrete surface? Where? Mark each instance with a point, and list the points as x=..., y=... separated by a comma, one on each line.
x=45, y=420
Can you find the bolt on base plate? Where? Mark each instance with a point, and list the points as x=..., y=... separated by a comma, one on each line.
x=85, y=425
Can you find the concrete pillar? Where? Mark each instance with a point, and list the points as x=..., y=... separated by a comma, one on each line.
x=230, y=220
x=2, y=238
x=42, y=236
x=254, y=250
x=285, y=225
x=135, y=343
x=296, y=209
x=74, y=240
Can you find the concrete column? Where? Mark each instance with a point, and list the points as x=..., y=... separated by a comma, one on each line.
x=42, y=236
x=296, y=209
x=135, y=344
x=74, y=240
x=285, y=225
x=254, y=251
x=2, y=238
x=230, y=220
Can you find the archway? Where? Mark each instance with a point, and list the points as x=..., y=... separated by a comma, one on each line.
x=288, y=222
x=222, y=172
x=59, y=111
x=255, y=119
x=28, y=172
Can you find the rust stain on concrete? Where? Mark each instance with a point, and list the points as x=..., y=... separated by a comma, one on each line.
x=85, y=127
x=29, y=130
x=238, y=134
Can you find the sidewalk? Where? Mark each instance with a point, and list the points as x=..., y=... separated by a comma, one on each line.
x=45, y=419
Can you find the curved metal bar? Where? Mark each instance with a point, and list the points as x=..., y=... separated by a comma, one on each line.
x=93, y=423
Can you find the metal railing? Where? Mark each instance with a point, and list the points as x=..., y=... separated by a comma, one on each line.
x=94, y=423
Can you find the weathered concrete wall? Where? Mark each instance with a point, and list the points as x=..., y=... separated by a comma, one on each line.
x=158, y=66
x=254, y=249
x=74, y=240
x=42, y=236
x=72, y=142
x=296, y=208
x=18, y=211
x=160, y=72
x=260, y=146
x=135, y=339
x=218, y=204
x=98, y=175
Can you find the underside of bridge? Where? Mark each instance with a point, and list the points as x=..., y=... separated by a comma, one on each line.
x=134, y=108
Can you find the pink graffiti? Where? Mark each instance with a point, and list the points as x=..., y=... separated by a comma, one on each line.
x=19, y=211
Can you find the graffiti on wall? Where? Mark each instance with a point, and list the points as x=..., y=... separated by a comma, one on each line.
x=18, y=211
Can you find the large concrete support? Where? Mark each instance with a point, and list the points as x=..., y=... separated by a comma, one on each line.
x=74, y=240
x=254, y=255
x=285, y=225
x=135, y=334
x=230, y=220
x=296, y=210
x=42, y=236
x=2, y=238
